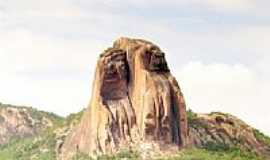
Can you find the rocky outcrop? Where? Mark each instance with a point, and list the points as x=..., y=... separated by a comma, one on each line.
x=218, y=134
x=135, y=102
x=21, y=122
x=221, y=130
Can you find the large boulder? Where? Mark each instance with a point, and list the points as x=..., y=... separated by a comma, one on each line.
x=219, y=130
x=135, y=101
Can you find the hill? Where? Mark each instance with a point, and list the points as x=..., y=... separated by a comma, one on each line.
x=21, y=122
x=137, y=111
x=45, y=140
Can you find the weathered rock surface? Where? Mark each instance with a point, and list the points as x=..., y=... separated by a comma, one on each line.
x=20, y=122
x=224, y=130
x=135, y=101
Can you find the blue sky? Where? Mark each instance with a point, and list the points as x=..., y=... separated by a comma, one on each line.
x=217, y=49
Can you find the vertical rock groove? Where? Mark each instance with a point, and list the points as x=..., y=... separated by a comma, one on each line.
x=135, y=100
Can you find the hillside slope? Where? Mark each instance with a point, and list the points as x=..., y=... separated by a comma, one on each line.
x=21, y=122
x=214, y=136
x=219, y=130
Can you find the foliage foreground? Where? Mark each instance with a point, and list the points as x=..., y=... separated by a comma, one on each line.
x=43, y=147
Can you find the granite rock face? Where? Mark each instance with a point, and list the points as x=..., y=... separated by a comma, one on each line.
x=224, y=130
x=135, y=101
x=22, y=122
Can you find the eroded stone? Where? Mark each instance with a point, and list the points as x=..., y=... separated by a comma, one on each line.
x=135, y=101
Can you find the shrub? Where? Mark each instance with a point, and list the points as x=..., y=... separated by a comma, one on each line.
x=261, y=137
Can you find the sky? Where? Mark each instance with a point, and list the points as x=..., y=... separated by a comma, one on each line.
x=217, y=50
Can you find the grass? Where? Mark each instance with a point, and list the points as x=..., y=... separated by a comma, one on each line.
x=42, y=147
x=187, y=154
x=38, y=147
x=204, y=154
x=35, y=148
x=123, y=155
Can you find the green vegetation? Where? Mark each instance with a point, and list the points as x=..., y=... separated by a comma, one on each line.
x=36, y=114
x=187, y=154
x=204, y=154
x=120, y=156
x=74, y=118
x=217, y=147
x=262, y=137
x=191, y=116
x=41, y=147
x=194, y=121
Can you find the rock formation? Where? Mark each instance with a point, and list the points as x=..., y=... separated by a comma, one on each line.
x=135, y=101
x=223, y=130
x=21, y=122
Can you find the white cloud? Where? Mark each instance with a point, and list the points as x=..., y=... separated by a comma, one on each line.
x=254, y=37
x=63, y=96
x=218, y=5
x=22, y=50
x=46, y=72
x=48, y=51
x=65, y=8
x=234, y=89
x=233, y=5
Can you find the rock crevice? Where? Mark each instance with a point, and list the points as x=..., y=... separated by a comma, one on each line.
x=135, y=100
